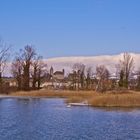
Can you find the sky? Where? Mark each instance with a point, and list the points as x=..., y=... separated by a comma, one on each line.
x=59, y=28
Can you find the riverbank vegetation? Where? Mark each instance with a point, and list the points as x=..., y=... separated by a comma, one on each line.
x=95, y=99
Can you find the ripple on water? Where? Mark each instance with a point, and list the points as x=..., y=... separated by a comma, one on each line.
x=41, y=119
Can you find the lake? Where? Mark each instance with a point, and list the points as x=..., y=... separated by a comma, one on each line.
x=50, y=119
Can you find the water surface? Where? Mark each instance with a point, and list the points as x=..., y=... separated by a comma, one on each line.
x=50, y=119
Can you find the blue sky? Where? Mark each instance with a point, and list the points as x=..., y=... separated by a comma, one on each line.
x=72, y=27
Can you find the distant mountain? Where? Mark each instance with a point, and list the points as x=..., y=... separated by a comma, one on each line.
x=110, y=61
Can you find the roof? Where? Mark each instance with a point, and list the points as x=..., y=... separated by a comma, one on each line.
x=58, y=73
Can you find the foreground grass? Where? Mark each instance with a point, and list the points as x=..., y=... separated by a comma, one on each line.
x=127, y=99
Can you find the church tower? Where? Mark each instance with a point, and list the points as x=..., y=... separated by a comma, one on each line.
x=51, y=71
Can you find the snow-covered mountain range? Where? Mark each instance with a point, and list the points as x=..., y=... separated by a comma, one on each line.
x=110, y=61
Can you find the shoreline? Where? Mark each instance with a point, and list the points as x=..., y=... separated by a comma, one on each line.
x=125, y=100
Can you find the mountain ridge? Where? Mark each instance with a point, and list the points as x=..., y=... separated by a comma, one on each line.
x=110, y=61
x=59, y=63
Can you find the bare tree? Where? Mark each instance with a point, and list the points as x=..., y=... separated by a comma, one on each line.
x=138, y=80
x=73, y=78
x=34, y=71
x=4, y=55
x=26, y=66
x=102, y=75
x=88, y=77
x=126, y=66
x=79, y=70
x=17, y=71
x=28, y=54
x=38, y=72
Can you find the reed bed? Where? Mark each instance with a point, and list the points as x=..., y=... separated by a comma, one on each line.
x=109, y=99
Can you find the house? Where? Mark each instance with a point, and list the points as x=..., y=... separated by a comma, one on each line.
x=57, y=75
x=56, y=80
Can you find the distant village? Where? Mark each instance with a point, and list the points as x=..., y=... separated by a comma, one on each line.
x=60, y=80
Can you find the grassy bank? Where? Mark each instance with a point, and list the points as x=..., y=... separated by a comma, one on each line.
x=127, y=99
x=119, y=100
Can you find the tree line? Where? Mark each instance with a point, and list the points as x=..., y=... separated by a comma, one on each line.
x=27, y=67
x=83, y=76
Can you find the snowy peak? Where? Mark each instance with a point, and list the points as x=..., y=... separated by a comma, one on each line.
x=110, y=61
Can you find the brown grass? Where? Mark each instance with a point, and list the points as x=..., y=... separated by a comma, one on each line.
x=127, y=99
x=53, y=93
x=119, y=100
